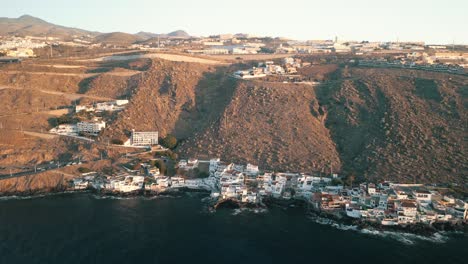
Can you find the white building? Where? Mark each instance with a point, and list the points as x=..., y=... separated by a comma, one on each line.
x=371, y=189
x=188, y=165
x=90, y=127
x=86, y=108
x=251, y=169
x=129, y=184
x=214, y=164
x=408, y=208
x=144, y=138
x=65, y=129
x=423, y=196
x=116, y=105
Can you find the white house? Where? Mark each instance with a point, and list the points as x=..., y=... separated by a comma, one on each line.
x=251, y=169
x=408, y=208
x=305, y=183
x=423, y=196
x=90, y=127
x=371, y=189
x=214, y=165
x=129, y=184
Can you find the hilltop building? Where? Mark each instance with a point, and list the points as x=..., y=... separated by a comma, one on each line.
x=144, y=138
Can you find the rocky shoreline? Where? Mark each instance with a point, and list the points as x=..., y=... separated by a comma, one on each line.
x=338, y=217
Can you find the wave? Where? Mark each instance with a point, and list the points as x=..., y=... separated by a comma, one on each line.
x=36, y=196
x=249, y=210
x=403, y=237
x=135, y=197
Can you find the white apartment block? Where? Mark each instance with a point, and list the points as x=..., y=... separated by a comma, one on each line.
x=144, y=138
x=90, y=127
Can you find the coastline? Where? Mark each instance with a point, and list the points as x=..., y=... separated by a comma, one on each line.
x=337, y=219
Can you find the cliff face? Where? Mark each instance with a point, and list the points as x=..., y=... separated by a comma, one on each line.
x=17, y=148
x=278, y=126
x=174, y=97
x=39, y=183
x=382, y=124
x=399, y=125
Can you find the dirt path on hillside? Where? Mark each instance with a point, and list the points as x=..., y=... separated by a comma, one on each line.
x=40, y=135
x=82, y=75
x=70, y=96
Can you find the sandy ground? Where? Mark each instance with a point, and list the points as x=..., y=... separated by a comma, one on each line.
x=62, y=66
x=40, y=135
x=58, y=112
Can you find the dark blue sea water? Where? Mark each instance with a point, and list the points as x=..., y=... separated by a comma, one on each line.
x=82, y=228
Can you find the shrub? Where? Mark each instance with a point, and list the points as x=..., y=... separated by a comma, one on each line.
x=117, y=141
x=169, y=141
x=83, y=170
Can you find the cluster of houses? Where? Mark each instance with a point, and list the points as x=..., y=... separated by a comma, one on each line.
x=111, y=106
x=385, y=203
x=289, y=66
x=20, y=47
x=355, y=47
x=233, y=181
x=90, y=128
x=391, y=204
x=408, y=64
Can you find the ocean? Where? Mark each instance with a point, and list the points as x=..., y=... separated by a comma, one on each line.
x=85, y=228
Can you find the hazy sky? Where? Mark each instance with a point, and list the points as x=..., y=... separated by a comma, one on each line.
x=433, y=21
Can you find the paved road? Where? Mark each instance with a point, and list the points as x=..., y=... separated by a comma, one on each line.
x=39, y=169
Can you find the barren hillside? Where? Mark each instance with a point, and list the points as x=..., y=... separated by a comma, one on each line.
x=278, y=126
x=375, y=123
x=174, y=97
x=396, y=124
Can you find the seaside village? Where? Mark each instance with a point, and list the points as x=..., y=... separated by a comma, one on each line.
x=385, y=203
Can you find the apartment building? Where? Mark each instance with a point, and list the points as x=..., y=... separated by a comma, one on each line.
x=144, y=138
x=90, y=127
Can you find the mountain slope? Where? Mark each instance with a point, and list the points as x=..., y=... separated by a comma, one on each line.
x=179, y=34
x=278, y=126
x=31, y=26
x=117, y=38
x=173, y=97
x=378, y=124
x=398, y=124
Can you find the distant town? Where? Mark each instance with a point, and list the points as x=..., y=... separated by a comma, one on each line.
x=416, y=55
